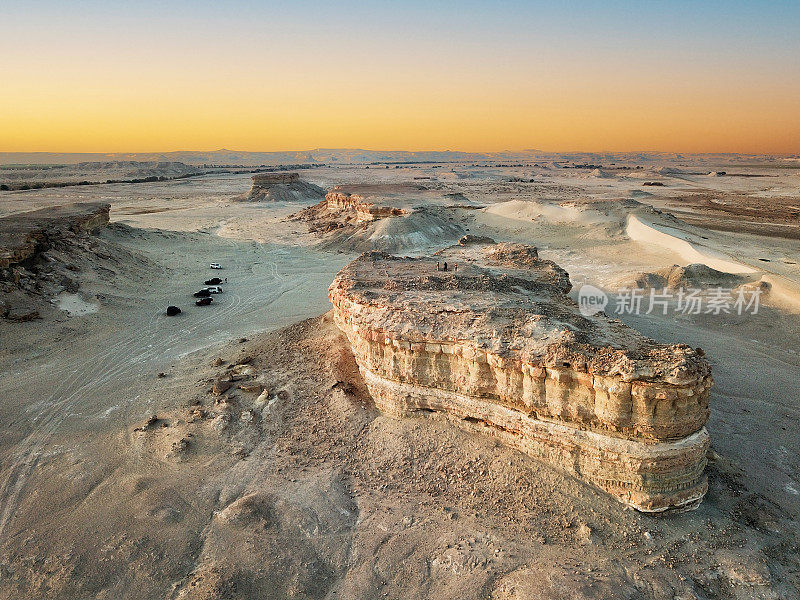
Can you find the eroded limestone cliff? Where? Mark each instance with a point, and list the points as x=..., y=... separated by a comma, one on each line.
x=23, y=233
x=364, y=209
x=498, y=345
x=46, y=252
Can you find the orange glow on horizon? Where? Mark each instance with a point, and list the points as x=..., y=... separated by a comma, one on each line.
x=112, y=92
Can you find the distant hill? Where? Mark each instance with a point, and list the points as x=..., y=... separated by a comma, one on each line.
x=360, y=156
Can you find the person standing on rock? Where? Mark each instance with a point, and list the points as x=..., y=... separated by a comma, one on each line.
x=445, y=267
x=437, y=266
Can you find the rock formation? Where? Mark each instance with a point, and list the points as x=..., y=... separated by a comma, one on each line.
x=364, y=210
x=281, y=187
x=696, y=275
x=23, y=233
x=273, y=178
x=38, y=253
x=499, y=346
x=360, y=218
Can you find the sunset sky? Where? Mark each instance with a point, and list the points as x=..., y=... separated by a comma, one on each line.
x=138, y=77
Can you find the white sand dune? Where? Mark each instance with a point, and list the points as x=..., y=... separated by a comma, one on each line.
x=640, y=230
x=783, y=292
x=565, y=212
x=599, y=174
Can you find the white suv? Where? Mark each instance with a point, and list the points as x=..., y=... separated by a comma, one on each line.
x=216, y=266
x=214, y=289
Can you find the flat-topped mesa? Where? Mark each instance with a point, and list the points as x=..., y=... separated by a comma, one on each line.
x=262, y=179
x=499, y=345
x=281, y=186
x=365, y=210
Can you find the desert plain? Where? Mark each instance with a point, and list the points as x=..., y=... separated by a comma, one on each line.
x=235, y=450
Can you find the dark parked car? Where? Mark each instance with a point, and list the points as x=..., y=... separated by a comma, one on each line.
x=213, y=281
x=204, y=301
x=202, y=294
x=173, y=310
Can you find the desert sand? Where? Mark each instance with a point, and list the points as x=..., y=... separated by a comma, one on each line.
x=235, y=451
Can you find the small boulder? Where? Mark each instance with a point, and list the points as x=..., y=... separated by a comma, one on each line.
x=69, y=285
x=221, y=422
x=243, y=370
x=252, y=388
x=249, y=416
x=262, y=399
x=150, y=422
x=181, y=446
x=21, y=315
x=220, y=387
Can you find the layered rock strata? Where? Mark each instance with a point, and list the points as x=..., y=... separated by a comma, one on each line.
x=273, y=178
x=281, y=187
x=22, y=234
x=499, y=346
x=36, y=252
x=363, y=209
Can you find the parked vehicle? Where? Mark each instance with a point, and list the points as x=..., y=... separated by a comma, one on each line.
x=173, y=310
x=204, y=301
x=213, y=281
x=202, y=294
x=216, y=266
x=214, y=289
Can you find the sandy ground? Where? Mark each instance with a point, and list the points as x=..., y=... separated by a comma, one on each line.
x=311, y=493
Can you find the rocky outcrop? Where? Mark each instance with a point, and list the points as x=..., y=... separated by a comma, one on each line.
x=281, y=187
x=499, y=346
x=47, y=252
x=363, y=209
x=344, y=224
x=23, y=233
x=695, y=275
x=343, y=201
x=273, y=178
